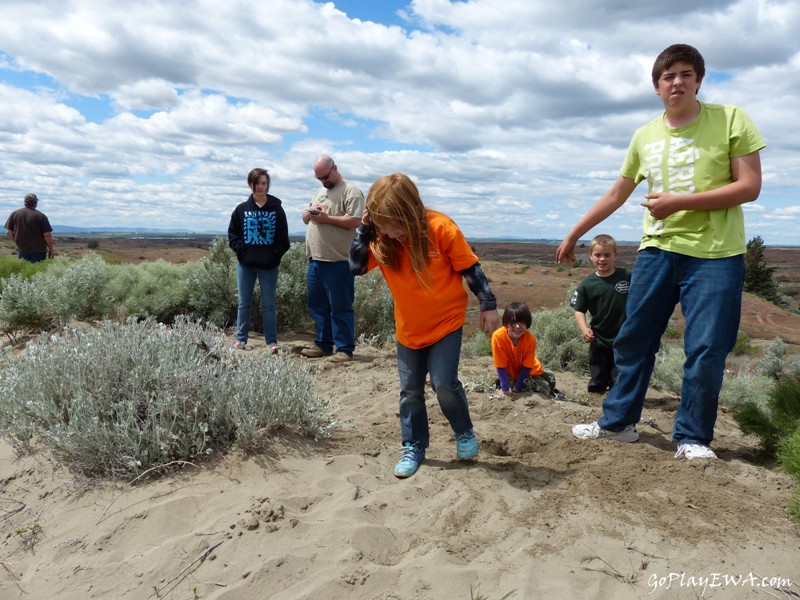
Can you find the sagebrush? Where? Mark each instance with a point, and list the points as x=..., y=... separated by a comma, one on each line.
x=121, y=398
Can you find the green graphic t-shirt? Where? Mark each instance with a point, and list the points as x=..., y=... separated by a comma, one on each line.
x=693, y=158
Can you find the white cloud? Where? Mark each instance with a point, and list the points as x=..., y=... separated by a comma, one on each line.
x=521, y=110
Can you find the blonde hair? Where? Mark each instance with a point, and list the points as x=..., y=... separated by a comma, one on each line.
x=394, y=200
x=606, y=241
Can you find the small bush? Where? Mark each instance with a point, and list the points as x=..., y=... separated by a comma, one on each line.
x=76, y=289
x=374, y=308
x=789, y=452
x=668, y=369
x=211, y=285
x=291, y=294
x=559, y=345
x=157, y=289
x=743, y=347
x=776, y=418
x=771, y=365
x=476, y=344
x=24, y=306
x=123, y=398
x=745, y=387
x=10, y=265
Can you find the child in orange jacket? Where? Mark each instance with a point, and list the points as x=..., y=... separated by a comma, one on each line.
x=423, y=257
x=514, y=355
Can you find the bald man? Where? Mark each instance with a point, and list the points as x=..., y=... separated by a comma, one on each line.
x=332, y=217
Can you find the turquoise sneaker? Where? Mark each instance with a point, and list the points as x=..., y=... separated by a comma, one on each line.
x=410, y=460
x=466, y=445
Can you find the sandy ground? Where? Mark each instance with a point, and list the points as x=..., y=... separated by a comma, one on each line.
x=328, y=520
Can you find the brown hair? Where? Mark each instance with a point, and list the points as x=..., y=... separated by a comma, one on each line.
x=517, y=312
x=394, y=200
x=31, y=200
x=254, y=175
x=675, y=54
x=606, y=241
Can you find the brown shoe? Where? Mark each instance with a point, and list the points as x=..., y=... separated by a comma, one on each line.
x=313, y=352
x=340, y=357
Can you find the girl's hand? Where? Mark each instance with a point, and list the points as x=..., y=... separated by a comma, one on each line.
x=489, y=321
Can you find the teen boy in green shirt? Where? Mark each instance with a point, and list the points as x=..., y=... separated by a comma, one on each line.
x=701, y=162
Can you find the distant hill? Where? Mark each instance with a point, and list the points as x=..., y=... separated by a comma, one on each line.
x=69, y=229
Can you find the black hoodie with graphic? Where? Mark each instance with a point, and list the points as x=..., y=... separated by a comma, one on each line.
x=259, y=236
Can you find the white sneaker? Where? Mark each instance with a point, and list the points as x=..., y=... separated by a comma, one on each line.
x=691, y=451
x=593, y=431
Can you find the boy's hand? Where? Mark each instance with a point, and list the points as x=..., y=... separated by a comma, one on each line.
x=588, y=336
x=565, y=252
x=660, y=204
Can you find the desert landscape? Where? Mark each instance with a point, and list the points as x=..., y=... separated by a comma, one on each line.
x=538, y=514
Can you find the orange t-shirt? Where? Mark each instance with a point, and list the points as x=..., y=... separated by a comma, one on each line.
x=512, y=358
x=424, y=315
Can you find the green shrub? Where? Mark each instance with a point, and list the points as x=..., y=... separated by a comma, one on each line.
x=374, y=308
x=158, y=289
x=672, y=333
x=476, y=344
x=559, y=345
x=211, y=285
x=24, y=306
x=774, y=419
x=123, y=398
x=10, y=265
x=758, y=278
x=794, y=505
x=771, y=365
x=745, y=387
x=789, y=452
x=743, y=346
x=668, y=368
x=291, y=293
x=76, y=289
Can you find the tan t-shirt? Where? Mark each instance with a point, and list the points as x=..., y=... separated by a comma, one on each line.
x=331, y=243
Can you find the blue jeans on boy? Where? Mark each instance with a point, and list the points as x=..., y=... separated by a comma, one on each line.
x=331, y=293
x=710, y=294
x=441, y=361
x=268, y=282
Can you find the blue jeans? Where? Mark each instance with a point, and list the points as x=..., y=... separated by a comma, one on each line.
x=331, y=293
x=32, y=257
x=441, y=361
x=246, y=281
x=710, y=293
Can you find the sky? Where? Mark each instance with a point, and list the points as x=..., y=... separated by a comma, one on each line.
x=513, y=116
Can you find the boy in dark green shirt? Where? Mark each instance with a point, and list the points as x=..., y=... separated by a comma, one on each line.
x=603, y=294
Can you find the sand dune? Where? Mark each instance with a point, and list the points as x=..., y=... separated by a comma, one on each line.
x=328, y=520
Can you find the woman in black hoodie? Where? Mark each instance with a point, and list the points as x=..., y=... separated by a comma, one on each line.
x=259, y=236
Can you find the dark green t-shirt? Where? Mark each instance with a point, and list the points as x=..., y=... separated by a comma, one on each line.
x=604, y=298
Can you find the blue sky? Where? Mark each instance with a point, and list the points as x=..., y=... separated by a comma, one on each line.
x=512, y=117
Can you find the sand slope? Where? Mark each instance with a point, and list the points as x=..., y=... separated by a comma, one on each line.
x=328, y=520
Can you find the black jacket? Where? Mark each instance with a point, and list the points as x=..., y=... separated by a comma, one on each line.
x=259, y=236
